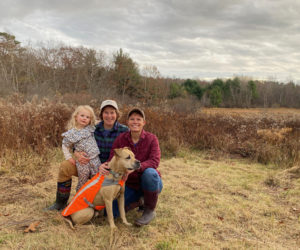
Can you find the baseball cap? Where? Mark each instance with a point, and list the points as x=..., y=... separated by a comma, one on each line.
x=108, y=103
x=136, y=110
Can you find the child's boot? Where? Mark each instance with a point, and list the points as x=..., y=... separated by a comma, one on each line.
x=62, y=195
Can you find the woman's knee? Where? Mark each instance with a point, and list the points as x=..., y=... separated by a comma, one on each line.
x=151, y=180
x=66, y=171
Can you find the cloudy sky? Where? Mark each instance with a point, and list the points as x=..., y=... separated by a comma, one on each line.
x=201, y=39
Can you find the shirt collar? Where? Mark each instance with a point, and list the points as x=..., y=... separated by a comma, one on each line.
x=143, y=134
x=100, y=126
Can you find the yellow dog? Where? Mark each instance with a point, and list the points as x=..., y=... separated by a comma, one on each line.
x=82, y=207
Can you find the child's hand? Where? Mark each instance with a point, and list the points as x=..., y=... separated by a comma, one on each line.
x=72, y=161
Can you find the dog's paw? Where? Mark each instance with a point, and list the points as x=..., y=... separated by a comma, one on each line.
x=113, y=230
x=128, y=224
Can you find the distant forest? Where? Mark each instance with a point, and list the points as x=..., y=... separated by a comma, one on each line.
x=65, y=71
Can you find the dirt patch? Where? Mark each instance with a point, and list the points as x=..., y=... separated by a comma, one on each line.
x=17, y=190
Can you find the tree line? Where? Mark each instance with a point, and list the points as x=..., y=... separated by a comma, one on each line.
x=57, y=70
x=239, y=92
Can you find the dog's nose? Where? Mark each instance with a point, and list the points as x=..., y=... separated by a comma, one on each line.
x=137, y=164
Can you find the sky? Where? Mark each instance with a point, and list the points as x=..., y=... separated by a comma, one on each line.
x=198, y=39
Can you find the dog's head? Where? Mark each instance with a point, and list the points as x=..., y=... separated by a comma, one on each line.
x=125, y=158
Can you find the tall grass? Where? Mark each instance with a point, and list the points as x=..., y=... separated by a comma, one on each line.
x=36, y=125
x=268, y=137
x=29, y=131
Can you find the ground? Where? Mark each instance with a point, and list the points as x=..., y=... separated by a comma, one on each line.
x=208, y=202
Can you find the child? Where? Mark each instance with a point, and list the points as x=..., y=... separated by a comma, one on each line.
x=80, y=136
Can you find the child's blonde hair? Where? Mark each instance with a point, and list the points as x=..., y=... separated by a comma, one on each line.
x=72, y=122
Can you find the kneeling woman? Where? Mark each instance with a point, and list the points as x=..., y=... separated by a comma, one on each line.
x=146, y=181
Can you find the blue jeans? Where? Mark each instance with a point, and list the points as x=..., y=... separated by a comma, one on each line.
x=150, y=181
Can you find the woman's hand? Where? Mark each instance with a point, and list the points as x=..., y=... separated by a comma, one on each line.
x=103, y=169
x=82, y=157
x=72, y=161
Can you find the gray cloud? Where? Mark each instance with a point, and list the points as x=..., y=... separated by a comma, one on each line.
x=207, y=39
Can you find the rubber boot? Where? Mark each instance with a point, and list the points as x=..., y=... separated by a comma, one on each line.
x=150, y=201
x=141, y=207
x=148, y=215
x=62, y=195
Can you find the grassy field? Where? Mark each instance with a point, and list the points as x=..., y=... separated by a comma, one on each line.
x=216, y=194
x=208, y=202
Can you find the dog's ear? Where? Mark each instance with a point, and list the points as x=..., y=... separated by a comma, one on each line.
x=118, y=151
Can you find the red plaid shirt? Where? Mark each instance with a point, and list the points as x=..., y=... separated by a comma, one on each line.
x=147, y=151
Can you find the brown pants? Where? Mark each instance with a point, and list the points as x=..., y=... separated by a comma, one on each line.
x=66, y=171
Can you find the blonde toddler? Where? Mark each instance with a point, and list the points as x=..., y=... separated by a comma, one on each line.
x=80, y=137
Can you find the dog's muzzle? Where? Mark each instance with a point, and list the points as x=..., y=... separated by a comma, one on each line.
x=137, y=165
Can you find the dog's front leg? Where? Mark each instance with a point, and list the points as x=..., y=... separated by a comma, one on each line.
x=121, y=204
x=110, y=216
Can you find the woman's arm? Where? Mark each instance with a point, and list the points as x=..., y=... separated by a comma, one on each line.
x=154, y=157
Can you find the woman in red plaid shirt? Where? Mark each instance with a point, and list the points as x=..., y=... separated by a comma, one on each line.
x=145, y=183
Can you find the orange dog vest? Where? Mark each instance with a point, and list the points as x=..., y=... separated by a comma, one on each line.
x=86, y=195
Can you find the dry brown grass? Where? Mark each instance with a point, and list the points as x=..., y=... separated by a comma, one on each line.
x=205, y=204
x=265, y=135
x=251, y=110
x=35, y=125
x=271, y=136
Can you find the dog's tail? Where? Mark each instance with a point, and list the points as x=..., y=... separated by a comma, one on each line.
x=69, y=221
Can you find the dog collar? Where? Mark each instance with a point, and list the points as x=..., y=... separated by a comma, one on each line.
x=114, y=174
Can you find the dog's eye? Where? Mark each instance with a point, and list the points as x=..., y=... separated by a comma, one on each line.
x=128, y=158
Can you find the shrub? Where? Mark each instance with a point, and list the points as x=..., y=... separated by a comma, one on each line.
x=266, y=137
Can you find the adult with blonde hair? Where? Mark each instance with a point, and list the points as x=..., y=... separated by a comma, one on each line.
x=105, y=134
